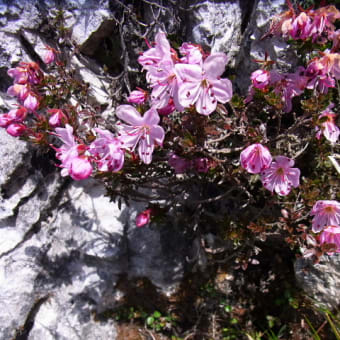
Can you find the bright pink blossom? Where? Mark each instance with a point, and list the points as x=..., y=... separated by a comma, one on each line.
x=326, y=213
x=328, y=127
x=57, y=118
x=143, y=218
x=260, y=79
x=138, y=96
x=107, y=150
x=331, y=234
x=142, y=130
x=72, y=155
x=301, y=26
x=16, y=129
x=203, y=86
x=280, y=176
x=255, y=158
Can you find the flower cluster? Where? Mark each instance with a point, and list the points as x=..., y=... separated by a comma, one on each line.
x=276, y=175
x=178, y=83
x=314, y=24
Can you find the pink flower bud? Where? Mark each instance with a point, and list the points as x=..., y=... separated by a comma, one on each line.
x=166, y=110
x=137, y=96
x=5, y=120
x=143, y=218
x=260, y=79
x=16, y=129
x=18, y=115
x=80, y=168
x=49, y=56
x=58, y=117
x=31, y=102
x=331, y=234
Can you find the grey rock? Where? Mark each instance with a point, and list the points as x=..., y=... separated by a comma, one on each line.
x=320, y=281
x=216, y=25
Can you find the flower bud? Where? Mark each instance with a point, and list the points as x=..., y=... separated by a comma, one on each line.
x=143, y=218
x=16, y=129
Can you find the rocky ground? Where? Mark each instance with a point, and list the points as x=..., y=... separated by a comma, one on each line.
x=72, y=263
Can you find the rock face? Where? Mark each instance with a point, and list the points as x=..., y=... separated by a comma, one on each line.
x=320, y=281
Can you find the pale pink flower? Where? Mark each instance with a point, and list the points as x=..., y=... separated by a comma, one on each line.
x=154, y=55
x=165, y=85
x=143, y=218
x=57, y=118
x=142, y=130
x=5, y=120
x=138, y=96
x=260, y=79
x=73, y=161
x=326, y=213
x=203, y=85
x=280, y=176
x=107, y=150
x=180, y=165
x=331, y=234
x=16, y=129
x=255, y=158
x=328, y=127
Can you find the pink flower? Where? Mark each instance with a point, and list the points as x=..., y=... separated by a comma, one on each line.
x=73, y=161
x=280, y=176
x=328, y=127
x=142, y=130
x=16, y=129
x=57, y=118
x=202, y=85
x=49, y=56
x=260, y=79
x=331, y=234
x=326, y=213
x=107, y=149
x=137, y=96
x=192, y=54
x=301, y=27
x=26, y=72
x=154, y=55
x=13, y=116
x=255, y=158
x=201, y=164
x=18, y=90
x=143, y=218
x=31, y=102
x=166, y=110
x=165, y=85
x=180, y=165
